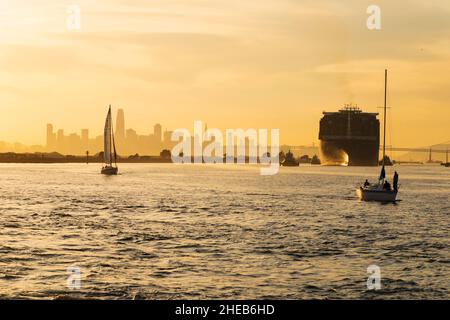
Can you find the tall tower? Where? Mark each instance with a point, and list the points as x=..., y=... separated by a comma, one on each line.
x=120, y=125
x=157, y=131
x=51, y=138
x=60, y=141
x=85, y=139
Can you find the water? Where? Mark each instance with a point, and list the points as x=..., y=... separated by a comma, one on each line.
x=162, y=231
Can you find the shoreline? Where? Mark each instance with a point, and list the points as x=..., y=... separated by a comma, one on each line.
x=55, y=161
x=59, y=158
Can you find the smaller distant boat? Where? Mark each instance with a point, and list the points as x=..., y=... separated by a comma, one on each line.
x=304, y=159
x=315, y=160
x=110, y=154
x=289, y=160
x=446, y=163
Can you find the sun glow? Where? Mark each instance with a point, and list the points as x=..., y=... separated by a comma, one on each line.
x=346, y=159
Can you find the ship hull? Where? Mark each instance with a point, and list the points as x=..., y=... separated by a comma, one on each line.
x=353, y=152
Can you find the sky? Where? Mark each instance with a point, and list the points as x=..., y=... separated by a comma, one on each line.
x=232, y=64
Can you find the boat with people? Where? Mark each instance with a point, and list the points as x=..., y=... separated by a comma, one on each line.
x=109, y=152
x=315, y=160
x=380, y=191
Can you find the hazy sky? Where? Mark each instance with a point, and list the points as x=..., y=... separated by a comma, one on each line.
x=230, y=63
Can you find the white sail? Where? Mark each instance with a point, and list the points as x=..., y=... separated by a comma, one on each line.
x=107, y=137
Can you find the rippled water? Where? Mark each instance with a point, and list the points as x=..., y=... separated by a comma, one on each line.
x=170, y=232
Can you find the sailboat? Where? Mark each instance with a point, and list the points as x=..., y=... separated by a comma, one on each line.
x=380, y=191
x=110, y=155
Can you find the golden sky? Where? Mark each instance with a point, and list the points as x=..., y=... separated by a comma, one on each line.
x=230, y=63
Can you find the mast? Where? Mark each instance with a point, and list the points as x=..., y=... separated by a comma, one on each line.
x=110, y=135
x=384, y=130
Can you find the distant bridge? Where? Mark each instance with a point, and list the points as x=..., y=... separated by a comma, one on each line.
x=388, y=148
x=429, y=150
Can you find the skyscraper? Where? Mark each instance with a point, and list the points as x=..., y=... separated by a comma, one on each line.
x=167, y=138
x=120, y=126
x=85, y=139
x=132, y=144
x=51, y=138
x=157, y=131
x=60, y=141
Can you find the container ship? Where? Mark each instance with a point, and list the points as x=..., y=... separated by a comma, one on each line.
x=350, y=137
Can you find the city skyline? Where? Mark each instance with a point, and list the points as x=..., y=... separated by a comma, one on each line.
x=128, y=141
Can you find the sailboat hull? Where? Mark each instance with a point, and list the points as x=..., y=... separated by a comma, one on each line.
x=376, y=195
x=110, y=170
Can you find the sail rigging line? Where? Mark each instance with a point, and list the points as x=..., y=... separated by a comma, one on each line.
x=383, y=172
x=114, y=143
x=110, y=136
x=385, y=102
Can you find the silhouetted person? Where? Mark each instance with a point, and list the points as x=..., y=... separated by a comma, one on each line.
x=366, y=183
x=395, y=181
x=387, y=186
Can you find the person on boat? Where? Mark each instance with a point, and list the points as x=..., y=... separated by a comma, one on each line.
x=395, y=181
x=387, y=186
x=366, y=183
